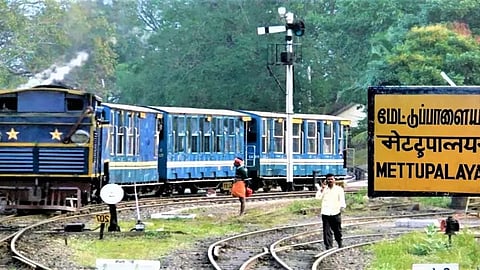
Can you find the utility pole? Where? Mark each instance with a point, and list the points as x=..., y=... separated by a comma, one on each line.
x=287, y=58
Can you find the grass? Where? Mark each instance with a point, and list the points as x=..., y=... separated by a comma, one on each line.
x=443, y=202
x=429, y=247
x=163, y=236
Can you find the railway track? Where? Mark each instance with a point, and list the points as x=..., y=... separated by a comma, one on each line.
x=20, y=240
x=295, y=246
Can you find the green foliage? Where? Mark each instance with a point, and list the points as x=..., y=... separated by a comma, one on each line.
x=430, y=243
x=430, y=246
x=357, y=200
x=429, y=50
x=207, y=53
x=442, y=202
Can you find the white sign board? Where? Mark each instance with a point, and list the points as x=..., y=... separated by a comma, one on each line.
x=435, y=266
x=120, y=264
x=111, y=193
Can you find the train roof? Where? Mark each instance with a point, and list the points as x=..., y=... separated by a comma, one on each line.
x=48, y=88
x=298, y=115
x=198, y=111
x=129, y=107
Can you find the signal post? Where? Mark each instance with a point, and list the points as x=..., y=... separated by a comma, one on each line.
x=287, y=58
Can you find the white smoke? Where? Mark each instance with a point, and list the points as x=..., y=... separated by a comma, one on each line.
x=55, y=73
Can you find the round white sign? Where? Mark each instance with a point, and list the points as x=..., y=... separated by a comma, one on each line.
x=111, y=193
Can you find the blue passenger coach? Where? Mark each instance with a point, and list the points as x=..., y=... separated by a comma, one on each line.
x=130, y=146
x=318, y=144
x=198, y=147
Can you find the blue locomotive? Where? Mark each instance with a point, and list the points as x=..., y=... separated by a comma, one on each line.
x=59, y=147
x=48, y=147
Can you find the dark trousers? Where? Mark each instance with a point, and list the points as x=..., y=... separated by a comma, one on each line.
x=332, y=223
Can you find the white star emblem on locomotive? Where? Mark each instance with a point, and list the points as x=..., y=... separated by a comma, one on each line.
x=56, y=135
x=12, y=134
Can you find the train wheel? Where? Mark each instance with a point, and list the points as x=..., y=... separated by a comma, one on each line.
x=298, y=188
x=181, y=190
x=193, y=190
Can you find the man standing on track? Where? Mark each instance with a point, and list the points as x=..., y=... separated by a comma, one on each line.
x=333, y=202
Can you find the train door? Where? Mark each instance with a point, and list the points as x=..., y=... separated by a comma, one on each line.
x=251, y=152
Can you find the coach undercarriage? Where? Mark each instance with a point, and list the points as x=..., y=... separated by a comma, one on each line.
x=27, y=194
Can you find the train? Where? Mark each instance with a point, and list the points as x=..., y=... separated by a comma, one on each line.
x=60, y=146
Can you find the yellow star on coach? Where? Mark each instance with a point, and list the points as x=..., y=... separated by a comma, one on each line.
x=56, y=135
x=12, y=134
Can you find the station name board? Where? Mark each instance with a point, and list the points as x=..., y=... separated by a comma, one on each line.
x=424, y=140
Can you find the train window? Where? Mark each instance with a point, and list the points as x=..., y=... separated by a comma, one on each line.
x=251, y=128
x=327, y=137
x=111, y=133
x=278, y=135
x=296, y=138
x=219, y=140
x=137, y=141
x=230, y=135
x=131, y=134
x=188, y=125
x=264, y=135
x=311, y=137
x=8, y=103
x=207, y=131
x=74, y=104
x=158, y=134
x=340, y=146
x=120, y=140
x=195, y=130
x=239, y=137
x=179, y=129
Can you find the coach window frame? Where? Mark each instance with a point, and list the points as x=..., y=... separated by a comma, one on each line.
x=188, y=139
x=195, y=134
x=179, y=126
x=130, y=140
x=171, y=134
x=158, y=131
x=265, y=139
x=311, y=137
x=207, y=134
x=230, y=136
x=328, y=137
x=9, y=102
x=297, y=138
x=238, y=135
x=219, y=135
x=120, y=142
x=340, y=138
x=112, y=133
x=278, y=132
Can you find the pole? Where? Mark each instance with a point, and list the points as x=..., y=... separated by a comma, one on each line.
x=289, y=101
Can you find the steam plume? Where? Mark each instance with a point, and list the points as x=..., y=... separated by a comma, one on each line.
x=55, y=73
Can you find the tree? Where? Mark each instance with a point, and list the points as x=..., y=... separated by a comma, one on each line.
x=202, y=54
x=429, y=50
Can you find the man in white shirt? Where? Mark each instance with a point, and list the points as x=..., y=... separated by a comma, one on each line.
x=333, y=202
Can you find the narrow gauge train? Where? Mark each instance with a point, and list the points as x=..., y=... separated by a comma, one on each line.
x=59, y=146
